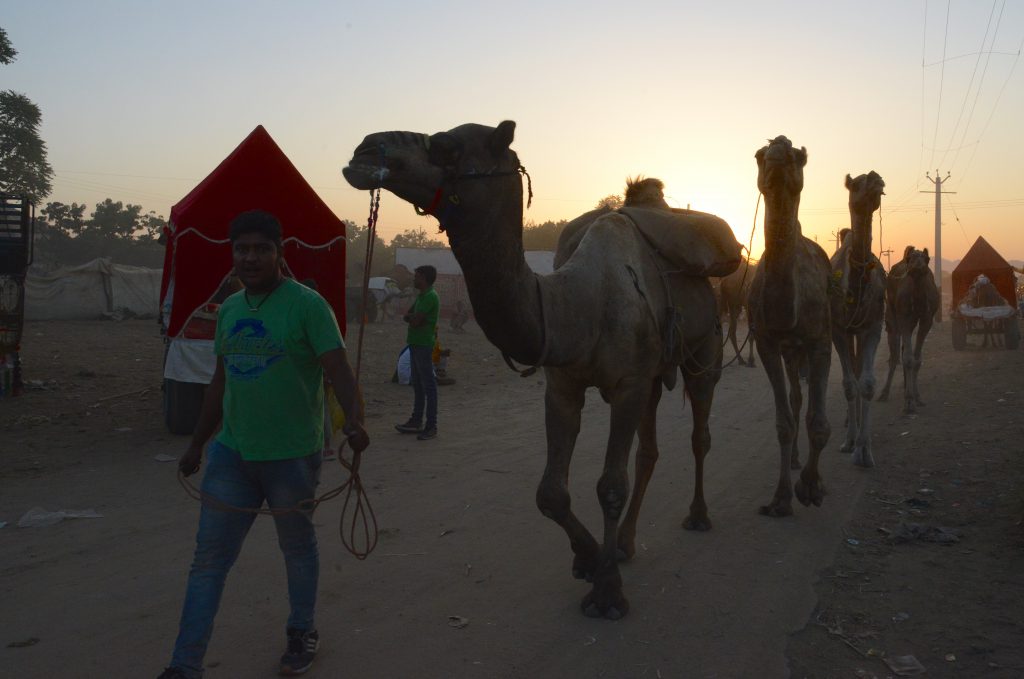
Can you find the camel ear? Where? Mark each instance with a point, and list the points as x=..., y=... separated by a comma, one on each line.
x=759, y=156
x=927, y=257
x=802, y=155
x=849, y=181
x=502, y=137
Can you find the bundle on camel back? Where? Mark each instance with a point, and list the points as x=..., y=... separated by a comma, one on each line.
x=616, y=314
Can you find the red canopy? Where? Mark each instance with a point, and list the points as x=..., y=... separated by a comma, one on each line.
x=256, y=175
x=982, y=258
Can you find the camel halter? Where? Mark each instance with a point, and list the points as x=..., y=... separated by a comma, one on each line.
x=452, y=177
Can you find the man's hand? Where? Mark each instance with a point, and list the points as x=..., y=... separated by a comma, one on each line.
x=190, y=461
x=357, y=437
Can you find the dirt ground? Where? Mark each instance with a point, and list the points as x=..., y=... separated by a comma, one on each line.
x=922, y=556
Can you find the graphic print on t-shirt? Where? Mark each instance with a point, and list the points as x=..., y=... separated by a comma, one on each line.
x=249, y=349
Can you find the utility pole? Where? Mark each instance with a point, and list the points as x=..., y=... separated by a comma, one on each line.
x=938, y=182
x=888, y=258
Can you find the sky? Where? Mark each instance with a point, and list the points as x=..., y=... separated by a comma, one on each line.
x=141, y=100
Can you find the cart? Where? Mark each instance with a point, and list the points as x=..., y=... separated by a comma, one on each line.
x=993, y=315
x=17, y=219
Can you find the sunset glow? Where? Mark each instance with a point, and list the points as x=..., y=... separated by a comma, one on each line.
x=141, y=102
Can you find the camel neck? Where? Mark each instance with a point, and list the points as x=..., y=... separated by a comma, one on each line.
x=502, y=287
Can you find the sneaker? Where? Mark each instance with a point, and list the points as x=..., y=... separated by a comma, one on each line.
x=410, y=427
x=426, y=434
x=172, y=673
x=302, y=647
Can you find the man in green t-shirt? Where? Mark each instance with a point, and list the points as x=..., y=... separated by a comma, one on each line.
x=275, y=340
x=422, y=320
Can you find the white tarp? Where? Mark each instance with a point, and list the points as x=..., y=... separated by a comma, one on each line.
x=91, y=290
x=190, y=360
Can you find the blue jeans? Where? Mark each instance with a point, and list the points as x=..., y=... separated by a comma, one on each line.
x=230, y=479
x=424, y=384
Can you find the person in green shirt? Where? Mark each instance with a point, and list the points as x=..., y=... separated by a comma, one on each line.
x=275, y=340
x=422, y=320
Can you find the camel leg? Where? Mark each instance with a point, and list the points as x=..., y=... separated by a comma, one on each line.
x=646, y=457
x=785, y=428
x=734, y=319
x=700, y=386
x=893, y=338
x=866, y=350
x=796, y=402
x=563, y=401
x=627, y=407
x=908, y=371
x=750, y=351
x=843, y=342
x=922, y=332
x=810, y=488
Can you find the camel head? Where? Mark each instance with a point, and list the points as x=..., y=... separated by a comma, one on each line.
x=440, y=174
x=866, y=192
x=780, y=167
x=917, y=261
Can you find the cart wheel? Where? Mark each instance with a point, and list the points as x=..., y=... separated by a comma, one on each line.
x=182, y=403
x=1012, y=333
x=959, y=334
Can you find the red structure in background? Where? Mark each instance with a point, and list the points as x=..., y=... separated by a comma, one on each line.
x=982, y=258
x=256, y=175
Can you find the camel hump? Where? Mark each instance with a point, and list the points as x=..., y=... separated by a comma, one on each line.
x=697, y=243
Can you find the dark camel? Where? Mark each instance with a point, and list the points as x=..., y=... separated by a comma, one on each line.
x=911, y=300
x=789, y=311
x=595, y=322
x=733, y=291
x=858, y=310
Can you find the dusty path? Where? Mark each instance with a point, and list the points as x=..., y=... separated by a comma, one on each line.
x=460, y=534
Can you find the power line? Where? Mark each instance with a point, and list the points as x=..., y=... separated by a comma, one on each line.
x=970, y=85
x=942, y=81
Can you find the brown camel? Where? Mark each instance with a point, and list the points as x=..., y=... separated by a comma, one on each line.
x=598, y=320
x=789, y=311
x=858, y=310
x=733, y=291
x=911, y=300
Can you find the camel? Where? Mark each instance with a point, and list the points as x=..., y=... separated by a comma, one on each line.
x=598, y=320
x=858, y=310
x=911, y=300
x=732, y=296
x=789, y=313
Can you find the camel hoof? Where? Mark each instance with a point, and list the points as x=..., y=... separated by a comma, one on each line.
x=919, y=402
x=777, y=510
x=697, y=523
x=612, y=611
x=846, y=448
x=809, y=492
x=884, y=396
x=624, y=554
x=583, y=569
x=862, y=458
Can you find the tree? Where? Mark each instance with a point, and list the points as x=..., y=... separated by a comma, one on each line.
x=612, y=202
x=66, y=219
x=115, y=220
x=543, y=236
x=154, y=225
x=7, y=51
x=415, y=238
x=355, y=254
x=23, y=164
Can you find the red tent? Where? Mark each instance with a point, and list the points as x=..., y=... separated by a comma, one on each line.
x=982, y=258
x=256, y=174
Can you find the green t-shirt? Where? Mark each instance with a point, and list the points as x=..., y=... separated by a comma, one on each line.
x=427, y=302
x=273, y=391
